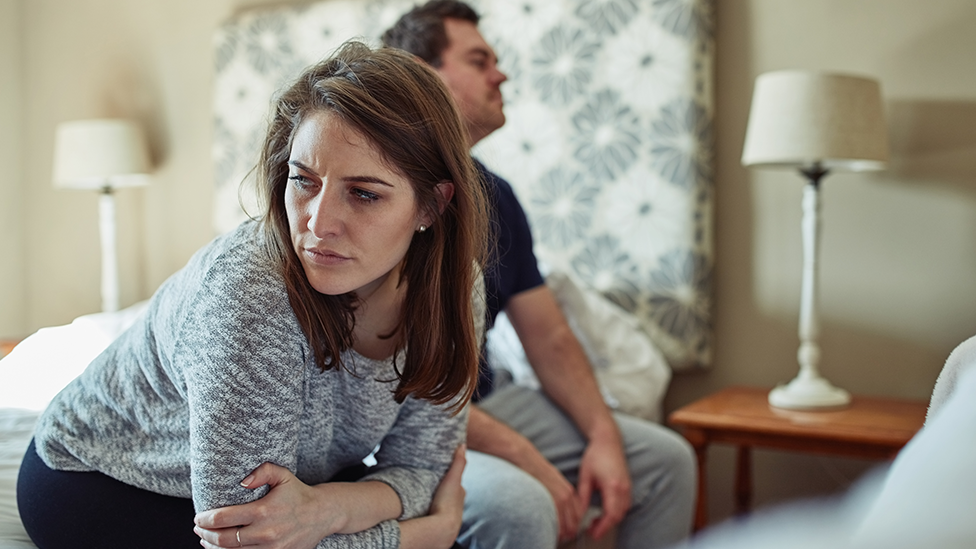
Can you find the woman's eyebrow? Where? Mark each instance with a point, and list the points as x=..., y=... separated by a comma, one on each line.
x=348, y=179
x=301, y=166
x=365, y=179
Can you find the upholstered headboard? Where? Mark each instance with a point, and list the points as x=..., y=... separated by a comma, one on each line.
x=608, y=140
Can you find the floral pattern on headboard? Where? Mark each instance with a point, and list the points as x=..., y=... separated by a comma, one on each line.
x=608, y=142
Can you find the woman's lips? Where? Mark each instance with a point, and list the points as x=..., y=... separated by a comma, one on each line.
x=325, y=257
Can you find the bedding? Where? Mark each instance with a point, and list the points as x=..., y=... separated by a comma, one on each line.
x=36, y=370
x=631, y=371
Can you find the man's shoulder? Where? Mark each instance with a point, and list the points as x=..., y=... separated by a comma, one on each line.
x=502, y=190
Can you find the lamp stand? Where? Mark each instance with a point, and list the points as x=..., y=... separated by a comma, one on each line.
x=809, y=389
x=110, y=266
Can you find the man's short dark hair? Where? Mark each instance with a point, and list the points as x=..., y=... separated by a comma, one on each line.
x=421, y=32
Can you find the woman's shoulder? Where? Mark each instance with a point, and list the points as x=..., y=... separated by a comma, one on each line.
x=233, y=258
x=234, y=270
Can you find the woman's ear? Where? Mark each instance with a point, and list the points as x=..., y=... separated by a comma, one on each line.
x=445, y=192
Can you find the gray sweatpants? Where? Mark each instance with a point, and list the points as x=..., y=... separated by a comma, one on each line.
x=507, y=508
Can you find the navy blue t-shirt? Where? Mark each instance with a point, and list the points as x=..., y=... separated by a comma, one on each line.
x=513, y=267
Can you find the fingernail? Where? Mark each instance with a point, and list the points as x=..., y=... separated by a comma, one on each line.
x=247, y=481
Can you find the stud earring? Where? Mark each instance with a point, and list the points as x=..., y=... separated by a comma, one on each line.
x=422, y=228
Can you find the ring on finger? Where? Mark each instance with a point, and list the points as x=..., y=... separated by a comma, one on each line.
x=239, y=544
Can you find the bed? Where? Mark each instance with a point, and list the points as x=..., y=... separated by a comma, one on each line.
x=608, y=146
x=30, y=376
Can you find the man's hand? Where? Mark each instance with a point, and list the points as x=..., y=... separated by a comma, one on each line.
x=566, y=377
x=603, y=469
x=569, y=506
x=487, y=434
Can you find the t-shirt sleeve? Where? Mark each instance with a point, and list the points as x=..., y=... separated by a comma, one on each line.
x=513, y=268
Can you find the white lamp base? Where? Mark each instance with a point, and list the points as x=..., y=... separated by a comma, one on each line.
x=804, y=393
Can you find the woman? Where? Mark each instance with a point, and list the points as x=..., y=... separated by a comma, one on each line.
x=343, y=319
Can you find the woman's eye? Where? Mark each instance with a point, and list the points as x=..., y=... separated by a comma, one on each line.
x=364, y=195
x=300, y=181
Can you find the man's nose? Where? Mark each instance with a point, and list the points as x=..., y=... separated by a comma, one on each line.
x=499, y=76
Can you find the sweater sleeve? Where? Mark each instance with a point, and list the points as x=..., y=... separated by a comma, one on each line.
x=417, y=451
x=244, y=375
x=385, y=535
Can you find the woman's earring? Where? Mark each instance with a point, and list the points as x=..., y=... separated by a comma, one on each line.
x=422, y=228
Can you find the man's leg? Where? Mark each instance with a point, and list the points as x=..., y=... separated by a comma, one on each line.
x=505, y=507
x=661, y=463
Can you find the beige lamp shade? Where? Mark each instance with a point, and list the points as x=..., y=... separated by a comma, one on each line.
x=801, y=118
x=95, y=154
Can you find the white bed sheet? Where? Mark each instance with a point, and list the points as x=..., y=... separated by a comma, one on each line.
x=30, y=376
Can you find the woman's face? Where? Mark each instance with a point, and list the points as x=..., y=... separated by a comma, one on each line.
x=351, y=216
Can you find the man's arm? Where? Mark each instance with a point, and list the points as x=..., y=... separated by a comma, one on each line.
x=566, y=376
x=490, y=436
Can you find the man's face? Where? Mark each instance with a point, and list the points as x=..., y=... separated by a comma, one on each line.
x=469, y=68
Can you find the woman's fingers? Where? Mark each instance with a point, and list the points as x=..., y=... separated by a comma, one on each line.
x=223, y=538
x=457, y=464
x=228, y=517
x=449, y=497
x=267, y=473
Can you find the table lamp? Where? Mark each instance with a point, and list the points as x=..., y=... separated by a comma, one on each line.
x=815, y=123
x=102, y=155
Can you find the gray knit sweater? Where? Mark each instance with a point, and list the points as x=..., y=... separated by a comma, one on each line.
x=218, y=378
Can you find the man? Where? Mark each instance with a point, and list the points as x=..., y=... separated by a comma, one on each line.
x=535, y=458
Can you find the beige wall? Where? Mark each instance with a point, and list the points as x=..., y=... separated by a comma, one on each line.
x=898, y=248
x=898, y=261
x=13, y=311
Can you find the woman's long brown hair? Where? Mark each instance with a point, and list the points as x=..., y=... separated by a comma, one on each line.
x=403, y=108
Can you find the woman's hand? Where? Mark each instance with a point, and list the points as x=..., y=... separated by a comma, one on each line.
x=294, y=515
x=288, y=516
x=440, y=527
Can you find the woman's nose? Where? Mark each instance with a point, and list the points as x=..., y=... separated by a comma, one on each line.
x=325, y=217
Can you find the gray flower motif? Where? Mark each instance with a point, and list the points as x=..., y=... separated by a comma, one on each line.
x=562, y=206
x=379, y=15
x=225, y=46
x=681, y=144
x=690, y=19
x=266, y=43
x=607, y=16
x=608, y=269
x=225, y=153
x=563, y=63
x=607, y=135
x=679, y=302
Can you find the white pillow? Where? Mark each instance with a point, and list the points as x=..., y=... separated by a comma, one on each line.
x=632, y=373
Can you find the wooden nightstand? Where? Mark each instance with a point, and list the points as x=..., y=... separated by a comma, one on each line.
x=874, y=428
